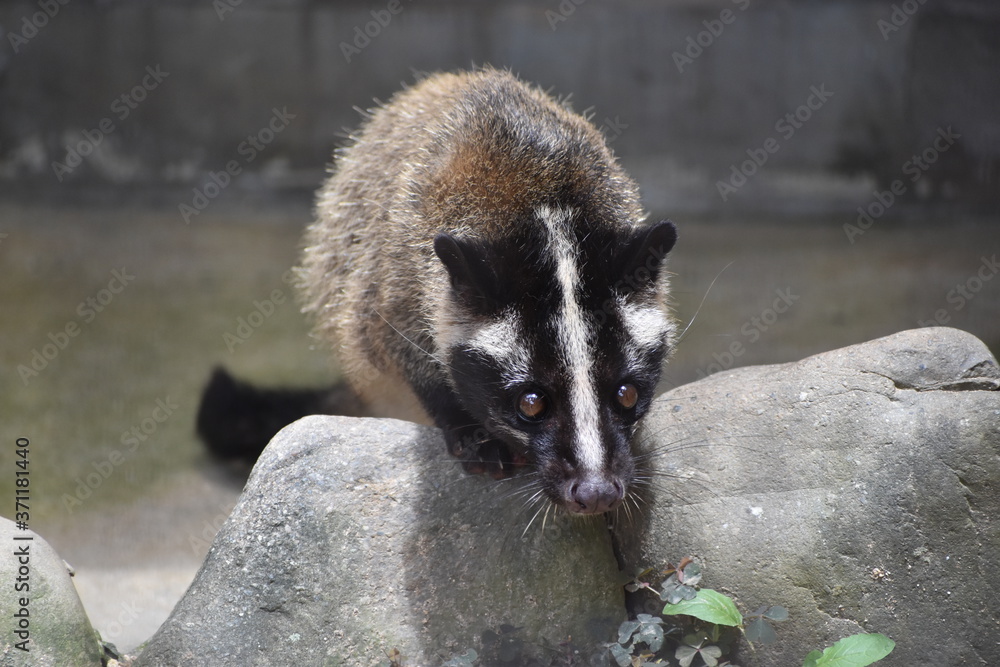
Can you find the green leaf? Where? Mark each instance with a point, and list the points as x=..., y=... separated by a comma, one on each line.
x=691, y=575
x=708, y=605
x=621, y=656
x=678, y=594
x=853, y=651
x=685, y=655
x=669, y=586
x=811, y=659
x=626, y=630
x=711, y=655
x=652, y=636
x=758, y=630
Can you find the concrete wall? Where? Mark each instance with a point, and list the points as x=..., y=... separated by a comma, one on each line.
x=685, y=90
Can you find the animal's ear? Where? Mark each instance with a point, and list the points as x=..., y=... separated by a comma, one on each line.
x=472, y=278
x=642, y=257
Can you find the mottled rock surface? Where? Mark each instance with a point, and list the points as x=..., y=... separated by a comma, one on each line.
x=860, y=488
x=355, y=537
x=59, y=633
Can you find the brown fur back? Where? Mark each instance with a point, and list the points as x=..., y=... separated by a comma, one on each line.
x=447, y=155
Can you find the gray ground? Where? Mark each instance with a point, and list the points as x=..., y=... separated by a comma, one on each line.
x=139, y=534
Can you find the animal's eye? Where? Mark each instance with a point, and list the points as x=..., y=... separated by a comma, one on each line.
x=532, y=405
x=628, y=396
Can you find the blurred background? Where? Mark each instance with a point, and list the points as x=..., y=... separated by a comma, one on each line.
x=833, y=168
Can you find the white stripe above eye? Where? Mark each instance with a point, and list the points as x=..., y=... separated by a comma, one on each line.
x=647, y=327
x=574, y=333
x=503, y=341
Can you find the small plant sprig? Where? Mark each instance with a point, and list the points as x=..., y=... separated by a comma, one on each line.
x=645, y=629
x=716, y=612
x=704, y=622
x=696, y=644
x=678, y=582
x=713, y=608
x=758, y=629
x=677, y=587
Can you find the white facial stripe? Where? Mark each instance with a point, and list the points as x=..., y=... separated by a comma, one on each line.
x=503, y=341
x=573, y=332
x=647, y=327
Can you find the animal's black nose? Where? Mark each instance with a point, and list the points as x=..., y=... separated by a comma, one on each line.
x=594, y=496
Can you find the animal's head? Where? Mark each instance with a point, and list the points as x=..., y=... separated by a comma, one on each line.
x=555, y=341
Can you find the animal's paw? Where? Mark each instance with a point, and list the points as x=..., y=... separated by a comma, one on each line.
x=481, y=453
x=492, y=457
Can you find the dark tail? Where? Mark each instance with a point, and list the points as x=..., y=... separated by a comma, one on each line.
x=236, y=420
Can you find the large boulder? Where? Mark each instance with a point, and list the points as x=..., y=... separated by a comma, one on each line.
x=859, y=488
x=358, y=537
x=45, y=624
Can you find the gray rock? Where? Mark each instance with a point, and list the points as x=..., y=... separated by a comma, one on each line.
x=858, y=488
x=355, y=537
x=59, y=633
